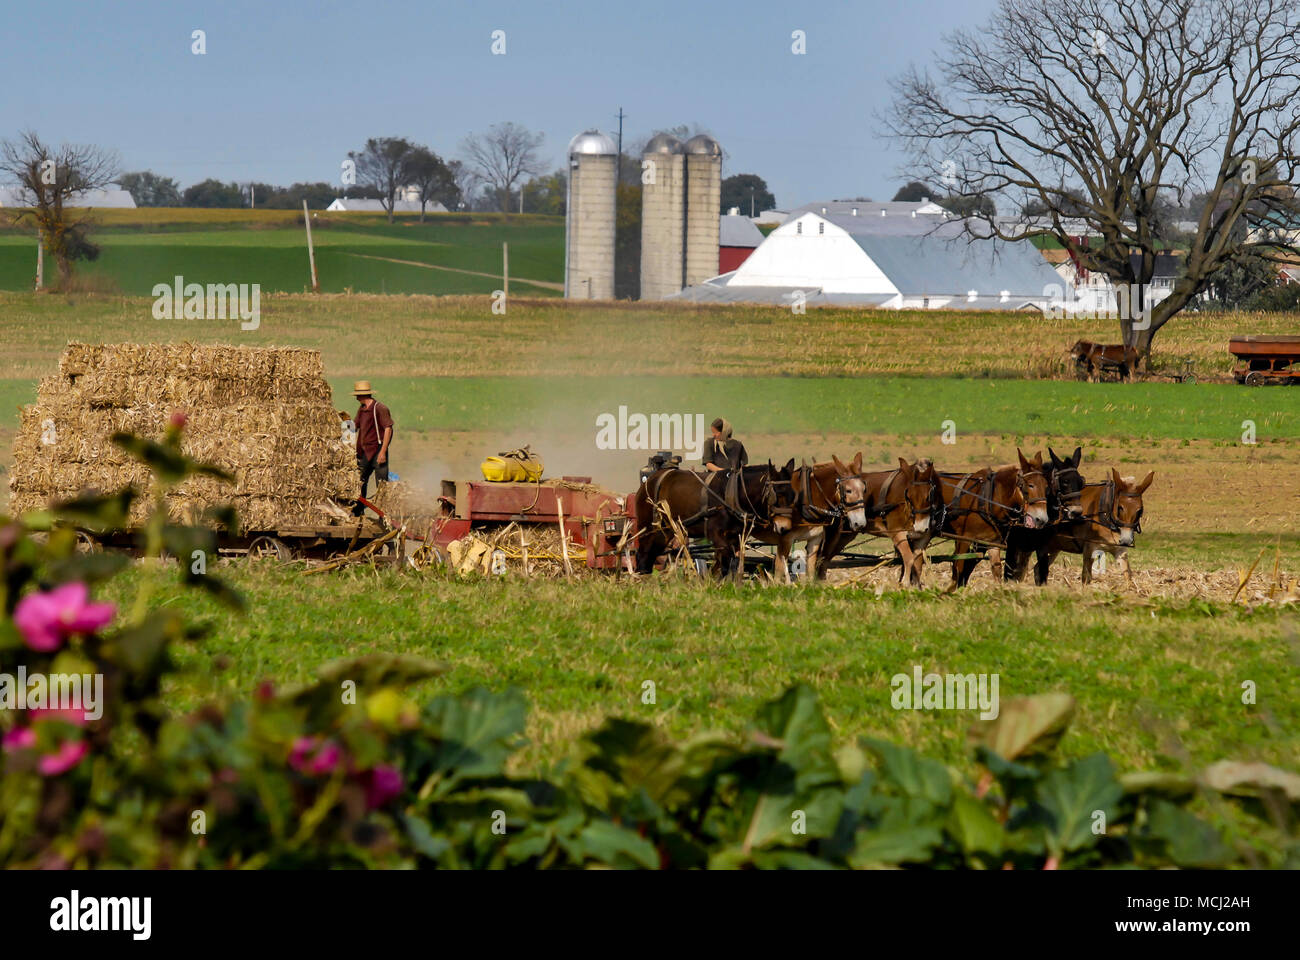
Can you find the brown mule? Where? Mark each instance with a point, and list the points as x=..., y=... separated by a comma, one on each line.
x=1092, y=358
x=1112, y=518
x=823, y=494
x=981, y=508
x=900, y=505
x=708, y=506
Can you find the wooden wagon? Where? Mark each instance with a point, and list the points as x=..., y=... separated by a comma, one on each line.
x=1266, y=360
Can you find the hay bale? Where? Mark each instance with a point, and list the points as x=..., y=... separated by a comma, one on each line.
x=263, y=414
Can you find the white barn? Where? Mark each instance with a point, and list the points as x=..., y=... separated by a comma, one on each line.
x=352, y=205
x=111, y=196
x=887, y=255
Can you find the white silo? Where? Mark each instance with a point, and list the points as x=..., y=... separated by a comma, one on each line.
x=589, y=217
x=703, y=207
x=663, y=217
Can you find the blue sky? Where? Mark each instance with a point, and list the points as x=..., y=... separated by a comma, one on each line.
x=287, y=87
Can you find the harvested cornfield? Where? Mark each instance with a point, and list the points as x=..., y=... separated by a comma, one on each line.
x=263, y=414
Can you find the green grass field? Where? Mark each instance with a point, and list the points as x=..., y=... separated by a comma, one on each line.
x=351, y=254
x=1158, y=682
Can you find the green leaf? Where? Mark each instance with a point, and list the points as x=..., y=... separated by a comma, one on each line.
x=789, y=860
x=168, y=463
x=884, y=847
x=974, y=827
x=1025, y=726
x=423, y=839
x=99, y=513
x=1251, y=779
x=612, y=844
x=142, y=649
x=1071, y=796
x=478, y=731
x=221, y=591
x=1171, y=785
x=1189, y=840
x=913, y=774
x=87, y=567
x=796, y=727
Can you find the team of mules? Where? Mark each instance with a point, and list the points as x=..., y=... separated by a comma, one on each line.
x=1010, y=514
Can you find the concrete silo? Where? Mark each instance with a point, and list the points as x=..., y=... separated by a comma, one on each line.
x=703, y=207
x=589, y=217
x=663, y=218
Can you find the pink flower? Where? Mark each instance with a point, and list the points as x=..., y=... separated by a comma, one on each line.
x=44, y=619
x=64, y=759
x=315, y=757
x=384, y=784
x=178, y=420
x=20, y=738
x=67, y=756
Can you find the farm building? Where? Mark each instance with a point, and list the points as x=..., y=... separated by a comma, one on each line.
x=1094, y=290
x=737, y=239
x=352, y=205
x=891, y=255
x=111, y=196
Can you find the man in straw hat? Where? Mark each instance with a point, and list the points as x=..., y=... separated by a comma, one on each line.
x=374, y=432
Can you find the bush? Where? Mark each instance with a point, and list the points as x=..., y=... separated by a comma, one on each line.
x=349, y=771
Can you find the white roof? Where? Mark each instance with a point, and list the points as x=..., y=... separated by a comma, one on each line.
x=851, y=260
x=864, y=209
x=737, y=231
x=354, y=205
x=112, y=196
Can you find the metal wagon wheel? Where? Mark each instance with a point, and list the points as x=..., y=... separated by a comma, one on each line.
x=1255, y=379
x=87, y=543
x=425, y=556
x=269, y=548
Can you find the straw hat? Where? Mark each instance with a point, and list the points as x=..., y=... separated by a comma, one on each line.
x=361, y=388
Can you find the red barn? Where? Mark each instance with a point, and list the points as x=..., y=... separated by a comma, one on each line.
x=737, y=238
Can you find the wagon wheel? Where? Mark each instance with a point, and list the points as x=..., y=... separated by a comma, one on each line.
x=269, y=548
x=88, y=544
x=1255, y=379
x=425, y=556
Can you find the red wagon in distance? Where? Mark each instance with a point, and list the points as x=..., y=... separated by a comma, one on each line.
x=1266, y=360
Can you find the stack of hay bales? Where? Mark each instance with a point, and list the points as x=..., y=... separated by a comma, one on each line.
x=263, y=414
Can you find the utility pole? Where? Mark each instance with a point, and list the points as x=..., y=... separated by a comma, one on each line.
x=311, y=251
x=618, y=169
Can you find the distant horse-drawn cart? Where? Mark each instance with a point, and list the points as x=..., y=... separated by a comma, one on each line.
x=1266, y=360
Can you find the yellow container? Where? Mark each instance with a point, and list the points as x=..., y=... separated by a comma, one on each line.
x=501, y=470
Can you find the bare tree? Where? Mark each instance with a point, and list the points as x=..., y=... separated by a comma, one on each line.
x=1096, y=110
x=503, y=156
x=381, y=166
x=51, y=183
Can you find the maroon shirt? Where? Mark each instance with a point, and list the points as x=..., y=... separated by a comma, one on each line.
x=371, y=423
